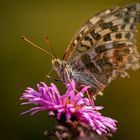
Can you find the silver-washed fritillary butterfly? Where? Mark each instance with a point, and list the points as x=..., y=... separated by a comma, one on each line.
x=102, y=50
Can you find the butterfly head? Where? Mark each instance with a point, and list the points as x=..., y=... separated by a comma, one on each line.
x=58, y=66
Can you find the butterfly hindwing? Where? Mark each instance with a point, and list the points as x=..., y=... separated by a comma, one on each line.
x=106, y=49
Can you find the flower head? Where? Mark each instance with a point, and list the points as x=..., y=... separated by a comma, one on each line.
x=70, y=107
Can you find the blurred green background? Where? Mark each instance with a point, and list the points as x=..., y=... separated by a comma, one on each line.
x=22, y=65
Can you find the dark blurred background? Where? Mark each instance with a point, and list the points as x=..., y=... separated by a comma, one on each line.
x=22, y=65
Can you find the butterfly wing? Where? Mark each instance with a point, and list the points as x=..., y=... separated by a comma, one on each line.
x=71, y=50
x=105, y=47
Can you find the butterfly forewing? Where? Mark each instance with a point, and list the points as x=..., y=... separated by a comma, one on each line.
x=104, y=47
x=71, y=51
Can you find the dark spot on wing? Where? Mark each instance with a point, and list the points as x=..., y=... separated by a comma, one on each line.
x=92, y=67
x=127, y=35
x=96, y=36
x=114, y=28
x=100, y=49
x=85, y=59
x=118, y=13
x=106, y=25
x=78, y=38
x=88, y=39
x=83, y=45
x=107, y=37
x=132, y=26
x=123, y=27
x=132, y=8
x=118, y=35
x=119, y=57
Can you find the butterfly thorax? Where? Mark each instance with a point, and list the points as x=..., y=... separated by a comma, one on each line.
x=63, y=70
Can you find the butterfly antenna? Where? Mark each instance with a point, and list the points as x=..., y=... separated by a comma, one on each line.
x=49, y=45
x=36, y=46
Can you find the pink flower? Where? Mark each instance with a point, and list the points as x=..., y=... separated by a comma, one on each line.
x=72, y=106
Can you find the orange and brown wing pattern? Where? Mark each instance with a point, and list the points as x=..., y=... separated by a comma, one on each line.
x=108, y=49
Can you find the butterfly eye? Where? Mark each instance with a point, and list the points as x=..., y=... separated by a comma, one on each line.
x=57, y=64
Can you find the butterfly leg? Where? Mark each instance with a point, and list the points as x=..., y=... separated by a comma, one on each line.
x=52, y=78
x=91, y=101
x=69, y=80
x=98, y=94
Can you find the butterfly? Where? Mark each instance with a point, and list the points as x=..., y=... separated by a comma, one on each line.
x=102, y=50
